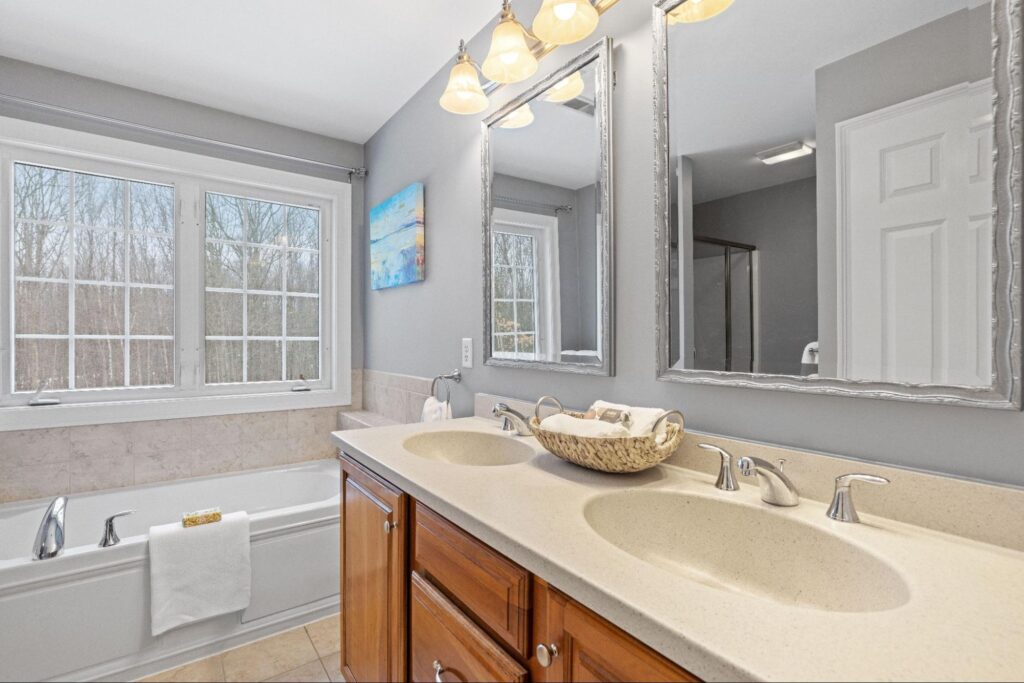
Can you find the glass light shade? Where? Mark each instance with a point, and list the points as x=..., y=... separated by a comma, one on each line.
x=561, y=22
x=464, y=94
x=693, y=11
x=569, y=88
x=520, y=118
x=510, y=59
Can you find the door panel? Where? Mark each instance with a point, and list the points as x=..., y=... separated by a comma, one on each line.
x=373, y=578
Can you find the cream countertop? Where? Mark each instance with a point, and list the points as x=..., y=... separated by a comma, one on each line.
x=964, y=618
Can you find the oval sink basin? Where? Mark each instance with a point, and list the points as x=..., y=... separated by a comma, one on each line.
x=477, y=449
x=742, y=549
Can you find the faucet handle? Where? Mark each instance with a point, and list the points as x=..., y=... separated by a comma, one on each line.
x=842, y=509
x=110, y=537
x=726, y=475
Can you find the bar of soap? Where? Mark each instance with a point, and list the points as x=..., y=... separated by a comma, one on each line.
x=200, y=517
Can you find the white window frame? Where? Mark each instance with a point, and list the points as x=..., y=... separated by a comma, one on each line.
x=192, y=175
x=544, y=230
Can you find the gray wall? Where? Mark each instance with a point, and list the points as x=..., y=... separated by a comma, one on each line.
x=914, y=64
x=70, y=91
x=781, y=221
x=416, y=330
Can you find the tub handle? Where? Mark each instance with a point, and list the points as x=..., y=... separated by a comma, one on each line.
x=110, y=537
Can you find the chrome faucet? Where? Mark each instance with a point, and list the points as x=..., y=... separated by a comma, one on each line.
x=727, y=474
x=514, y=420
x=110, y=537
x=842, y=509
x=50, y=537
x=776, y=488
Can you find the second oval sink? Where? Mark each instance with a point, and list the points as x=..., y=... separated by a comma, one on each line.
x=477, y=449
x=743, y=549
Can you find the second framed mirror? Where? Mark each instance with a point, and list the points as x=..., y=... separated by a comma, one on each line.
x=547, y=218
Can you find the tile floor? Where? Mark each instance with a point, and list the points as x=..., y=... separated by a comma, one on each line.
x=308, y=653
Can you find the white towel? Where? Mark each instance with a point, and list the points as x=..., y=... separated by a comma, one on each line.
x=567, y=424
x=641, y=420
x=435, y=410
x=198, y=572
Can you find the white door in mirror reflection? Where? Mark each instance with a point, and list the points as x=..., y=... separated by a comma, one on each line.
x=526, y=307
x=915, y=236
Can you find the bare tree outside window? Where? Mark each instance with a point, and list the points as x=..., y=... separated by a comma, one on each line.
x=93, y=281
x=262, y=291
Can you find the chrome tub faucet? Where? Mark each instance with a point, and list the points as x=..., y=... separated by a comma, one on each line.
x=50, y=537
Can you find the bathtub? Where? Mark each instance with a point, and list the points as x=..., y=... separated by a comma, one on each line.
x=85, y=615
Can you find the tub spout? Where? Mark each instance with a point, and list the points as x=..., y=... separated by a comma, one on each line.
x=50, y=537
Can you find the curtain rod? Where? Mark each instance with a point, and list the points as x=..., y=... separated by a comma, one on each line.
x=173, y=135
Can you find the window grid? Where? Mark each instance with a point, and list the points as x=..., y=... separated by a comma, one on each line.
x=284, y=248
x=73, y=227
x=518, y=272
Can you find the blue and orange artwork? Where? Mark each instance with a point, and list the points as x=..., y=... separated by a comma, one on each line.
x=397, y=226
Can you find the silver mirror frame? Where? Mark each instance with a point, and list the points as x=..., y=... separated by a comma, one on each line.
x=601, y=53
x=1005, y=392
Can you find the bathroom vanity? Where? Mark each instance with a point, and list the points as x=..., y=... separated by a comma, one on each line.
x=423, y=598
x=468, y=554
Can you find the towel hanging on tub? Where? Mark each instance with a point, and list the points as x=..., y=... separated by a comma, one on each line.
x=199, y=572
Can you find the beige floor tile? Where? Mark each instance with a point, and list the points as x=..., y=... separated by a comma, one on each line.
x=209, y=670
x=308, y=673
x=326, y=635
x=332, y=663
x=269, y=657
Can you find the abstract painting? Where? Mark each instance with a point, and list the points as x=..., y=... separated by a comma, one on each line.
x=397, y=238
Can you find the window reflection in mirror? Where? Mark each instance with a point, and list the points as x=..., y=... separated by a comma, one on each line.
x=545, y=226
x=831, y=189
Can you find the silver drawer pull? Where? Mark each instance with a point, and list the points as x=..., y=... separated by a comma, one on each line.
x=438, y=670
x=389, y=525
x=546, y=654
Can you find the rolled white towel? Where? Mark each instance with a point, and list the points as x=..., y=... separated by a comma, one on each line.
x=567, y=424
x=641, y=420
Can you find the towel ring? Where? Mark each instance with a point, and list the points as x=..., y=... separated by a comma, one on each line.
x=455, y=376
x=546, y=399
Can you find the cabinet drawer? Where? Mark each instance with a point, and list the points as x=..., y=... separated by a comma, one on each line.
x=486, y=585
x=445, y=645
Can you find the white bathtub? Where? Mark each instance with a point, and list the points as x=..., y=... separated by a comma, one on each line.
x=85, y=615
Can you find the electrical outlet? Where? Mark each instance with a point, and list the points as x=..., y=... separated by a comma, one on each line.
x=467, y=352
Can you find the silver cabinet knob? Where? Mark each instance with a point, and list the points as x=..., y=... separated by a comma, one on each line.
x=546, y=654
x=438, y=670
x=389, y=525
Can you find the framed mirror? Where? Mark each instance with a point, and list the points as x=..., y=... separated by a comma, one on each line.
x=547, y=218
x=838, y=197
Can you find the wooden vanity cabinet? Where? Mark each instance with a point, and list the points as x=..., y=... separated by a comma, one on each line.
x=418, y=590
x=586, y=647
x=374, y=577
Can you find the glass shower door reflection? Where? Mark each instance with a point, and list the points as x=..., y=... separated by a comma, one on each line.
x=723, y=283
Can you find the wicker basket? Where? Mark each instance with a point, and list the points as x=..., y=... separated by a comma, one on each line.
x=617, y=455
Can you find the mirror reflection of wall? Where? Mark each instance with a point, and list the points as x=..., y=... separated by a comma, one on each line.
x=546, y=226
x=844, y=151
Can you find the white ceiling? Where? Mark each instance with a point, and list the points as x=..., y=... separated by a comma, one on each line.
x=337, y=67
x=744, y=81
x=560, y=148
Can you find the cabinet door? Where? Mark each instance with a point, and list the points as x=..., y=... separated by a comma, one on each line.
x=590, y=648
x=446, y=646
x=373, y=577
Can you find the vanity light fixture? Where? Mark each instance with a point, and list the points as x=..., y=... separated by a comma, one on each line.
x=787, y=152
x=520, y=118
x=569, y=88
x=694, y=11
x=464, y=94
x=515, y=52
x=561, y=22
x=510, y=59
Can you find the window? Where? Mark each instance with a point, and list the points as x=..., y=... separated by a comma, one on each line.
x=135, y=276
x=94, y=281
x=515, y=296
x=262, y=291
